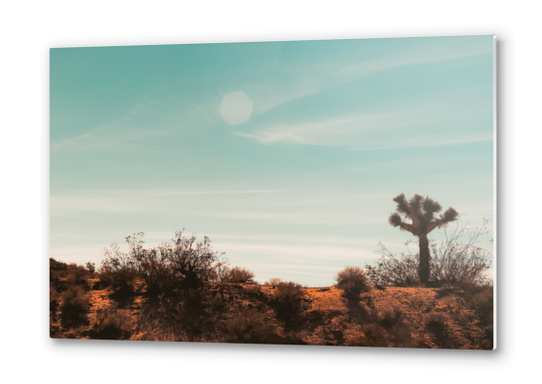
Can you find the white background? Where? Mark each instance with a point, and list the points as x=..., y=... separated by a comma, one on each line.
x=28, y=29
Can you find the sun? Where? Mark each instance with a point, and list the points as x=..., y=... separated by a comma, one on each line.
x=236, y=108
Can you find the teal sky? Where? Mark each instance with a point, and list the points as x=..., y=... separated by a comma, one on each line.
x=286, y=154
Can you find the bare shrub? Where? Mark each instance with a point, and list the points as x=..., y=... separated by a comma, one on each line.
x=57, y=269
x=112, y=325
x=249, y=326
x=91, y=267
x=369, y=335
x=118, y=271
x=193, y=262
x=391, y=270
x=397, y=329
x=455, y=260
x=289, y=303
x=273, y=281
x=438, y=325
x=480, y=300
x=238, y=275
x=74, y=306
x=353, y=281
x=54, y=302
x=153, y=269
x=77, y=275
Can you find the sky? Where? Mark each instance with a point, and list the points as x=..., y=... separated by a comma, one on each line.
x=286, y=154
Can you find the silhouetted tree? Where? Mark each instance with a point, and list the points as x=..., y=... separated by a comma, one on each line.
x=421, y=211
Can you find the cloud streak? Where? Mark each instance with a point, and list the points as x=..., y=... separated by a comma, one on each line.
x=332, y=132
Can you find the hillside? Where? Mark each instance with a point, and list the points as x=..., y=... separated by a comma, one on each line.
x=281, y=314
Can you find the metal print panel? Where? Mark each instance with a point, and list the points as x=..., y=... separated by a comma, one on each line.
x=335, y=193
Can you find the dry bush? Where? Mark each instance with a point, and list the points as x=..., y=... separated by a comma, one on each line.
x=455, y=260
x=77, y=275
x=181, y=264
x=391, y=270
x=289, y=303
x=273, y=281
x=112, y=325
x=238, y=275
x=118, y=271
x=155, y=272
x=480, y=300
x=54, y=302
x=57, y=269
x=195, y=263
x=444, y=332
x=397, y=329
x=249, y=326
x=74, y=307
x=353, y=281
x=438, y=325
x=368, y=335
x=91, y=267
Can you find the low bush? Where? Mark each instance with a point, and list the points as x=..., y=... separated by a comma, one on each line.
x=273, y=281
x=397, y=329
x=238, y=275
x=118, y=271
x=480, y=300
x=54, y=302
x=91, y=267
x=369, y=335
x=153, y=269
x=289, y=302
x=77, y=275
x=352, y=281
x=249, y=326
x=74, y=307
x=112, y=325
x=455, y=260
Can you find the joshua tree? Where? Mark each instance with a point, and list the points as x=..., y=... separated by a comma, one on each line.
x=421, y=211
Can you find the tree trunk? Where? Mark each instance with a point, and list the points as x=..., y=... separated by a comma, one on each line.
x=423, y=270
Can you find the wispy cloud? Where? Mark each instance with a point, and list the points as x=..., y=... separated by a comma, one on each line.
x=149, y=118
x=431, y=142
x=450, y=49
x=312, y=254
x=110, y=201
x=333, y=132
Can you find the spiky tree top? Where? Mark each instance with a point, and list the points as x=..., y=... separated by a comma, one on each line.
x=421, y=211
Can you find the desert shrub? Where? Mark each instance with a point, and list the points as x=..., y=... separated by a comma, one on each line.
x=184, y=263
x=480, y=300
x=112, y=325
x=455, y=260
x=153, y=269
x=57, y=269
x=91, y=267
x=368, y=335
x=397, y=329
x=77, y=275
x=289, y=302
x=54, y=302
x=238, y=275
x=391, y=270
x=118, y=271
x=74, y=307
x=444, y=332
x=273, y=281
x=195, y=263
x=353, y=281
x=249, y=326
x=438, y=325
